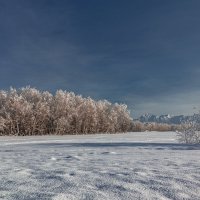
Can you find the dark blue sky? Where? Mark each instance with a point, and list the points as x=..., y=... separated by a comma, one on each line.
x=145, y=53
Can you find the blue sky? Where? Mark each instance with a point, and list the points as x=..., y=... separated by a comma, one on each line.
x=144, y=53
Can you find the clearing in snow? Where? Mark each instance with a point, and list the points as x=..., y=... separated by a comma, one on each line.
x=148, y=165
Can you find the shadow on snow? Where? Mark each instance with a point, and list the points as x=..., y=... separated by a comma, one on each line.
x=156, y=146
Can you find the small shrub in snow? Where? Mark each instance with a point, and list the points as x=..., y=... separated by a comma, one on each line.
x=190, y=132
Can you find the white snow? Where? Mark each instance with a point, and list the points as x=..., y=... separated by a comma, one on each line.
x=149, y=165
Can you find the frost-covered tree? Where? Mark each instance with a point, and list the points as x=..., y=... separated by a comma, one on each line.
x=28, y=111
x=190, y=132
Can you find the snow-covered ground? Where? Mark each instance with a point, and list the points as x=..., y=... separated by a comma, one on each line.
x=148, y=165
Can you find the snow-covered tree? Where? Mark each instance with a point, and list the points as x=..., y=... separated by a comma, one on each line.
x=190, y=132
x=27, y=111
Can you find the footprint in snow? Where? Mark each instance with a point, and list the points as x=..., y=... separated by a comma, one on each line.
x=72, y=173
x=108, y=152
x=72, y=157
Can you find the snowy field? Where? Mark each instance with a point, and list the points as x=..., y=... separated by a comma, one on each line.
x=124, y=166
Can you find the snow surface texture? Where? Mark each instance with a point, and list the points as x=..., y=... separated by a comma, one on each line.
x=148, y=165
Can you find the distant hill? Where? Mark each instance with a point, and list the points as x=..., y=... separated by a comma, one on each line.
x=166, y=118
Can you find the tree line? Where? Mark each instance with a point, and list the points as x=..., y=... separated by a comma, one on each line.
x=28, y=111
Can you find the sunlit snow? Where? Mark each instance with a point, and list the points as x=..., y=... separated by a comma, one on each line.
x=148, y=165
